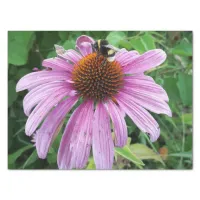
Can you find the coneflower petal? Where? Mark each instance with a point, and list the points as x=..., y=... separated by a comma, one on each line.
x=146, y=61
x=147, y=85
x=83, y=44
x=72, y=56
x=34, y=79
x=102, y=143
x=126, y=57
x=147, y=100
x=57, y=64
x=42, y=109
x=48, y=131
x=76, y=141
x=38, y=93
x=140, y=116
x=120, y=128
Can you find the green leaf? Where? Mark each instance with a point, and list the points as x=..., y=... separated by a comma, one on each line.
x=182, y=154
x=91, y=164
x=13, y=157
x=187, y=118
x=51, y=54
x=63, y=35
x=143, y=43
x=185, y=88
x=125, y=152
x=12, y=94
x=52, y=156
x=125, y=44
x=19, y=44
x=188, y=143
x=69, y=44
x=144, y=153
x=22, y=72
x=31, y=159
x=115, y=37
x=184, y=48
x=170, y=85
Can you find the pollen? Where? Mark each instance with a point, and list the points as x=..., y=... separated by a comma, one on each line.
x=96, y=78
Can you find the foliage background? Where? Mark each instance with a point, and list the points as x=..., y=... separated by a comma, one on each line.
x=173, y=150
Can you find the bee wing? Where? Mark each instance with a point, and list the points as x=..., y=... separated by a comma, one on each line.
x=59, y=49
x=112, y=47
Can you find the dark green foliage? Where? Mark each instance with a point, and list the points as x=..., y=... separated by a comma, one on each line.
x=173, y=150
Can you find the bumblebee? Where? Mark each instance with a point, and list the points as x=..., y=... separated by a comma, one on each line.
x=102, y=47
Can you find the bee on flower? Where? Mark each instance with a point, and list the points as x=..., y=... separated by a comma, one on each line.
x=107, y=94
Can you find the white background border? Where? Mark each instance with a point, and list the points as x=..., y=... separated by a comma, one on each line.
x=99, y=15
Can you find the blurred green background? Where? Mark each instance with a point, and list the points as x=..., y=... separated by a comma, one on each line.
x=173, y=150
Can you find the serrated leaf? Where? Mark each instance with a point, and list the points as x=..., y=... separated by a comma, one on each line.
x=184, y=48
x=185, y=88
x=125, y=152
x=13, y=157
x=144, y=153
x=12, y=94
x=19, y=44
x=115, y=37
x=31, y=159
x=143, y=43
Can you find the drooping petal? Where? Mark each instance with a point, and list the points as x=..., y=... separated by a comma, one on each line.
x=51, y=126
x=76, y=141
x=42, y=109
x=34, y=79
x=146, y=61
x=120, y=128
x=57, y=64
x=147, y=100
x=40, y=92
x=140, y=116
x=102, y=143
x=146, y=84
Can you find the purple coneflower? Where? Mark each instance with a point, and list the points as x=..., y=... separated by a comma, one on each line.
x=108, y=93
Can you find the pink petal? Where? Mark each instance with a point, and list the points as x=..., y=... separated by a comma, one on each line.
x=140, y=116
x=102, y=143
x=126, y=57
x=42, y=109
x=51, y=126
x=147, y=100
x=83, y=44
x=76, y=141
x=147, y=85
x=146, y=61
x=40, y=92
x=34, y=79
x=120, y=128
x=71, y=55
x=57, y=64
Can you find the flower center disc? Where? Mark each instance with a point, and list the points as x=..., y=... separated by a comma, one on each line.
x=96, y=78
